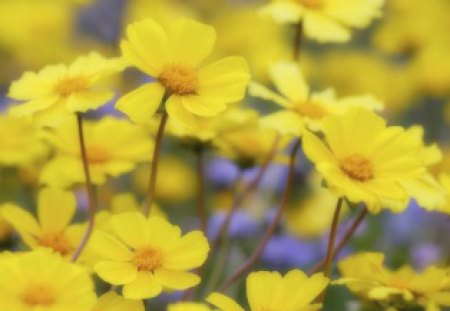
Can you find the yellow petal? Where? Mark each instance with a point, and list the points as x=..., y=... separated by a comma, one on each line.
x=20, y=219
x=289, y=80
x=189, y=252
x=83, y=101
x=284, y=122
x=354, y=12
x=191, y=42
x=176, y=279
x=147, y=46
x=202, y=106
x=130, y=227
x=141, y=104
x=109, y=247
x=316, y=150
x=55, y=208
x=258, y=90
x=32, y=106
x=116, y=272
x=324, y=29
x=29, y=86
x=144, y=286
x=223, y=302
x=283, y=12
x=225, y=79
x=178, y=113
x=262, y=287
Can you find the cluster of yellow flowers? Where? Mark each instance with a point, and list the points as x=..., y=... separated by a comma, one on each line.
x=130, y=246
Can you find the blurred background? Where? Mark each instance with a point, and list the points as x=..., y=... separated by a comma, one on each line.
x=402, y=59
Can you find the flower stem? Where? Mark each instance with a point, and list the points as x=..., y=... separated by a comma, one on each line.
x=343, y=242
x=201, y=197
x=297, y=41
x=247, y=265
x=89, y=191
x=155, y=160
x=240, y=197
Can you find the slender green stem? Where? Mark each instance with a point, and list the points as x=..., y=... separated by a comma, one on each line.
x=201, y=197
x=248, y=264
x=89, y=190
x=155, y=161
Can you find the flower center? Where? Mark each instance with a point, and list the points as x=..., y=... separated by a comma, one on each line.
x=312, y=110
x=97, y=154
x=56, y=241
x=39, y=295
x=147, y=259
x=357, y=167
x=68, y=86
x=398, y=283
x=312, y=4
x=179, y=79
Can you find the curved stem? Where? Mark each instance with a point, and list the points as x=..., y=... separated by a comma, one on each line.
x=155, y=160
x=89, y=190
x=239, y=197
x=344, y=241
x=247, y=265
x=201, y=198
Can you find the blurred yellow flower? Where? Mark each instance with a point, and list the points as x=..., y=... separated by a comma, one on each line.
x=325, y=20
x=173, y=60
x=302, y=107
x=366, y=161
x=146, y=255
x=114, y=147
x=272, y=291
x=56, y=91
x=444, y=179
x=188, y=306
x=365, y=275
x=126, y=202
x=19, y=142
x=52, y=228
x=43, y=281
x=111, y=301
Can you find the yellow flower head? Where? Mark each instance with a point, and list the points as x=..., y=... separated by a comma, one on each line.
x=52, y=228
x=19, y=144
x=111, y=301
x=271, y=291
x=365, y=275
x=114, y=147
x=43, y=281
x=301, y=106
x=325, y=20
x=173, y=59
x=57, y=91
x=365, y=160
x=444, y=179
x=146, y=255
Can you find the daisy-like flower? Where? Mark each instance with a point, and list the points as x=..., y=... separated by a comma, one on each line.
x=43, y=281
x=57, y=91
x=365, y=275
x=113, y=146
x=52, y=228
x=19, y=142
x=366, y=161
x=271, y=291
x=325, y=20
x=301, y=106
x=146, y=255
x=173, y=58
x=111, y=301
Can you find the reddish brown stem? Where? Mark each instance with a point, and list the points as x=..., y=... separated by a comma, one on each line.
x=201, y=197
x=247, y=265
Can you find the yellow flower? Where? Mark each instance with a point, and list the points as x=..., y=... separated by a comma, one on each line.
x=173, y=59
x=146, y=255
x=114, y=147
x=43, y=281
x=270, y=291
x=111, y=301
x=365, y=275
x=444, y=179
x=19, y=143
x=188, y=306
x=325, y=20
x=52, y=228
x=57, y=91
x=366, y=161
x=301, y=106
x=126, y=202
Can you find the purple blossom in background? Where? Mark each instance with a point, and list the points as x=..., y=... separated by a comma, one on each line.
x=242, y=224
